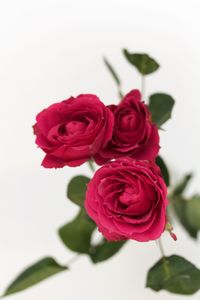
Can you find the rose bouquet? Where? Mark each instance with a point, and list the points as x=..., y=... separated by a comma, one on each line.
x=130, y=196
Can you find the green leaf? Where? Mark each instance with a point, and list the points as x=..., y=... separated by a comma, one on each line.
x=165, y=173
x=143, y=62
x=193, y=212
x=182, y=185
x=180, y=205
x=160, y=106
x=104, y=250
x=41, y=270
x=180, y=208
x=77, y=188
x=76, y=235
x=112, y=71
x=174, y=274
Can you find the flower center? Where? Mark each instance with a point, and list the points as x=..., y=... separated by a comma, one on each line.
x=72, y=128
x=129, y=121
x=129, y=195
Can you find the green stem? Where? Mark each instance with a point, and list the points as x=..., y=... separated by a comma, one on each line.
x=120, y=94
x=143, y=86
x=160, y=245
x=73, y=260
x=165, y=262
x=91, y=166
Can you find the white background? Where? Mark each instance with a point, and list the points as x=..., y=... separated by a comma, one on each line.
x=50, y=50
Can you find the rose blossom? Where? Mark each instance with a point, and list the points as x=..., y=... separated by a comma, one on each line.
x=72, y=131
x=134, y=134
x=127, y=200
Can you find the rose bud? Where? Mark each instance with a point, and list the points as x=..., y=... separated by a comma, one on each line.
x=127, y=200
x=73, y=131
x=134, y=134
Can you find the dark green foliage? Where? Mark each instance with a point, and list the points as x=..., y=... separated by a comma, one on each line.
x=41, y=270
x=160, y=106
x=143, y=62
x=174, y=274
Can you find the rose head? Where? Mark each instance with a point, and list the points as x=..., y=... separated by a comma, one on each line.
x=72, y=131
x=127, y=200
x=134, y=134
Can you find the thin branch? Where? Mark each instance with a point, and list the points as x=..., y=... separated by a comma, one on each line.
x=143, y=86
x=91, y=165
x=73, y=260
x=160, y=245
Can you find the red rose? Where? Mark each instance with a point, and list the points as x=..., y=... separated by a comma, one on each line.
x=72, y=131
x=134, y=134
x=127, y=200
